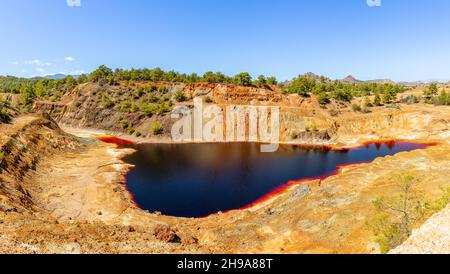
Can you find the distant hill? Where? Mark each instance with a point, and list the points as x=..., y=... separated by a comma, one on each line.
x=350, y=80
x=56, y=76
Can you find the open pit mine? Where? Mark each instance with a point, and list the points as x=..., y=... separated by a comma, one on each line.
x=75, y=179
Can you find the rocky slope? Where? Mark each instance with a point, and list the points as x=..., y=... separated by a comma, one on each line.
x=302, y=120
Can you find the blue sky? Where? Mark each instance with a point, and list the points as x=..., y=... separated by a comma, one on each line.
x=401, y=39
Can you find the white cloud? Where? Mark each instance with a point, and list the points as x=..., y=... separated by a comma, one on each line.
x=38, y=62
x=74, y=3
x=15, y=63
x=69, y=59
x=39, y=70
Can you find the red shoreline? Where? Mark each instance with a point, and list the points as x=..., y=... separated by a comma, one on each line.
x=119, y=143
x=284, y=187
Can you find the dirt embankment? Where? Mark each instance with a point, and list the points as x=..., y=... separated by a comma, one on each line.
x=23, y=144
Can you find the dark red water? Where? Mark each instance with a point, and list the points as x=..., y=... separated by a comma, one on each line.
x=196, y=180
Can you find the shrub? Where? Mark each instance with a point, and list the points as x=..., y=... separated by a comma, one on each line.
x=179, y=96
x=140, y=92
x=342, y=95
x=367, y=103
x=323, y=98
x=397, y=216
x=208, y=100
x=4, y=102
x=388, y=97
x=301, y=86
x=377, y=100
x=442, y=100
x=125, y=106
x=137, y=134
x=157, y=129
x=148, y=109
x=243, y=79
x=150, y=88
x=2, y=156
x=107, y=102
x=4, y=115
x=152, y=98
x=163, y=89
x=431, y=91
x=356, y=108
x=410, y=99
x=134, y=107
x=294, y=135
x=124, y=123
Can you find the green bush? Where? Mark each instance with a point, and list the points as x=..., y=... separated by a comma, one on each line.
x=397, y=216
x=377, y=100
x=367, y=103
x=356, y=108
x=124, y=123
x=410, y=99
x=4, y=115
x=162, y=89
x=139, y=92
x=150, y=88
x=294, y=135
x=2, y=156
x=442, y=100
x=157, y=129
x=431, y=91
x=125, y=106
x=243, y=79
x=4, y=102
x=208, y=100
x=323, y=98
x=302, y=86
x=148, y=109
x=342, y=95
x=107, y=102
x=179, y=96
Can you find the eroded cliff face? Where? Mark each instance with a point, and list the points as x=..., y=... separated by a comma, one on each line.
x=302, y=120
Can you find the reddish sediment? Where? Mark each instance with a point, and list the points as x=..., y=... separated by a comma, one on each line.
x=115, y=140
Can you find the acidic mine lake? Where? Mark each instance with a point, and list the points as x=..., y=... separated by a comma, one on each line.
x=196, y=180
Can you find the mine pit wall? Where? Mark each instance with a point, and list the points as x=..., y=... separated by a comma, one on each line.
x=23, y=152
x=298, y=125
x=93, y=117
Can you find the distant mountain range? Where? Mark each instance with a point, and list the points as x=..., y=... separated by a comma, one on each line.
x=352, y=80
x=55, y=76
